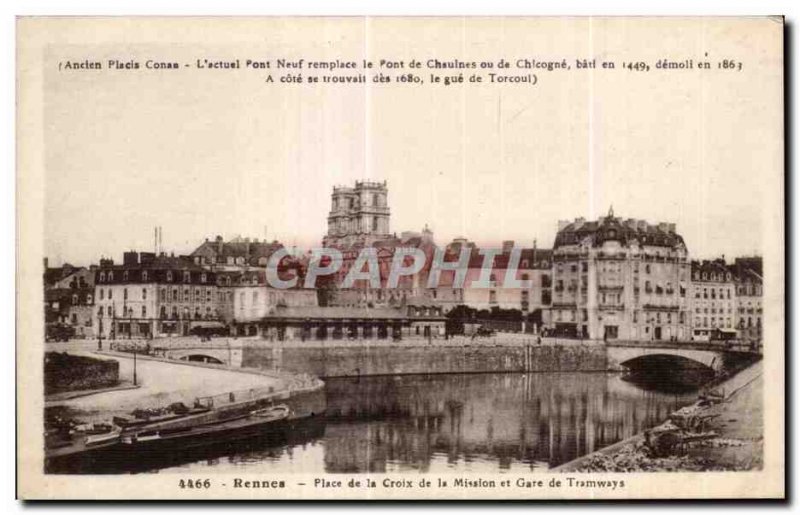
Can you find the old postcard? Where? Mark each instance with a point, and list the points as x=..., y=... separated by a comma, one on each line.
x=400, y=258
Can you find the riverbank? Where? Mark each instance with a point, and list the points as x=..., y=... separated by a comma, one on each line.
x=161, y=382
x=736, y=424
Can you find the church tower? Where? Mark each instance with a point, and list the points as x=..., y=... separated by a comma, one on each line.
x=358, y=215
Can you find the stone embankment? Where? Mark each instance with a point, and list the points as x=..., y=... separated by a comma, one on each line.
x=722, y=431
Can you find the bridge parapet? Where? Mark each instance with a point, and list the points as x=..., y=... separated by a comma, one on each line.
x=751, y=347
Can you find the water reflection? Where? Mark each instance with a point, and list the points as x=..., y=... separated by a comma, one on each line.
x=540, y=420
x=473, y=422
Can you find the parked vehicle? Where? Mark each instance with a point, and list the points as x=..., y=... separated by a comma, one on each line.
x=59, y=332
x=484, y=331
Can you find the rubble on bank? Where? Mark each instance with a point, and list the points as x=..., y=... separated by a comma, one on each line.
x=716, y=433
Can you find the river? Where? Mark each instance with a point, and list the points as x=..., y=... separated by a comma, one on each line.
x=438, y=423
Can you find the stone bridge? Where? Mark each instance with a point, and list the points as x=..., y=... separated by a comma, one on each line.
x=619, y=356
x=220, y=354
x=713, y=355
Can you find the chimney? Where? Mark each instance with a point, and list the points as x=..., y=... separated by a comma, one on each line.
x=130, y=258
x=507, y=246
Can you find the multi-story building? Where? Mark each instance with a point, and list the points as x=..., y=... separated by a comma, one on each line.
x=410, y=289
x=749, y=292
x=534, y=268
x=69, y=297
x=359, y=215
x=150, y=295
x=713, y=299
x=245, y=298
x=619, y=278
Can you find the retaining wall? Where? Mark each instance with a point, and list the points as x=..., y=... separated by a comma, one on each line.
x=387, y=359
x=66, y=373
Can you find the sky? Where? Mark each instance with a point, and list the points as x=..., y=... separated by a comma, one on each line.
x=204, y=153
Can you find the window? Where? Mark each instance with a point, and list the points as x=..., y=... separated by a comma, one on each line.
x=187, y=277
x=110, y=276
x=374, y=223
x=125, y=275
x=110, y=312
x=101, y=294
x=169, y=276
x=144, y=293
x=203, y=278
x=125, y=294
x=110, y=292
x=102, y=277
x=144, y=311
x=144, y=276
x=174, y=294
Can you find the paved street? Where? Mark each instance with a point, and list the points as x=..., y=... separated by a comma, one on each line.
x=161, y=384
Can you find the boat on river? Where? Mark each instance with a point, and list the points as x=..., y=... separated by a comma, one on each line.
x=232, y=415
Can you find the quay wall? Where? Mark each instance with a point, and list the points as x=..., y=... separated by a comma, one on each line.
x=387, y=359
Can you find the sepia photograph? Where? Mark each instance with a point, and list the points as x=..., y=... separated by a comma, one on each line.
x=400, y=258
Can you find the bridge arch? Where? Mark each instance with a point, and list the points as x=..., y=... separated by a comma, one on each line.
x=626, y=357
x=202, y=358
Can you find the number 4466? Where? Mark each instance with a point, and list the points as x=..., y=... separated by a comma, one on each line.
x=194, y=483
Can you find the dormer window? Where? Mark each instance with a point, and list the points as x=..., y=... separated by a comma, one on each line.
x=144, y=276
x=102, y=277
x=125, y=275
x=187, y=277
x=110, y=276
x=203, y=278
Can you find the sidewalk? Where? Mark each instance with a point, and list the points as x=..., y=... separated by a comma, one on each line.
x=160, y=384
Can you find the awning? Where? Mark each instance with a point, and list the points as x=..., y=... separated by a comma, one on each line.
x=211, y=324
